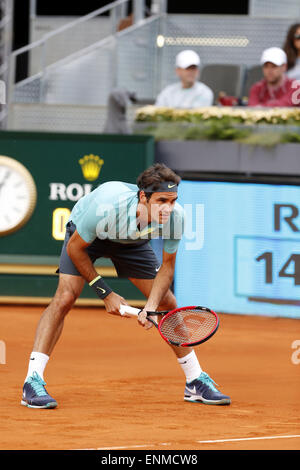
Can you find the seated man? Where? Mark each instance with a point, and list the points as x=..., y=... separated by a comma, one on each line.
x=189, y=92
x=275, y=89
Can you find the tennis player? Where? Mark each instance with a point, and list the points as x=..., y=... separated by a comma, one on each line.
x=117, y=221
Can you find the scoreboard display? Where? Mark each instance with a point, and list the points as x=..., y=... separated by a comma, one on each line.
x=241, y=248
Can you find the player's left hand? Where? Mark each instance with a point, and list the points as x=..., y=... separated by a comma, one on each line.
x=142, y=319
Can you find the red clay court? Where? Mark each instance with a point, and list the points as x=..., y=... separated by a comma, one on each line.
x=119, y=387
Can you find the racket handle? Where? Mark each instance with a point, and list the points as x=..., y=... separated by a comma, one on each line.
x=126, y=309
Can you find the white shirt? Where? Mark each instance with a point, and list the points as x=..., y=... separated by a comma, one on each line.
x=174, y=96
x=294, y=73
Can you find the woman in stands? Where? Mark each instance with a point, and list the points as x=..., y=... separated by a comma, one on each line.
x=292, y=50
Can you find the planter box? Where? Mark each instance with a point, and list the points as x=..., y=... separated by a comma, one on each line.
x=229, y=157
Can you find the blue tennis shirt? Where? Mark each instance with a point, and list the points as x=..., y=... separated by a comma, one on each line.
x=109, y=212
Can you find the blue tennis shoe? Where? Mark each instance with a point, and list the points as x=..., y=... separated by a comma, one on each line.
x=203, y=390
x=35, y=395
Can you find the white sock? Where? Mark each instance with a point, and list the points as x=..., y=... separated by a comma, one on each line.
x=37, y=363
x=190, y=366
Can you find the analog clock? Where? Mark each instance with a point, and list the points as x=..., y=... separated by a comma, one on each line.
x=17, y=195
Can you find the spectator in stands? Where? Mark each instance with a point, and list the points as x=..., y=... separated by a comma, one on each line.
x=275, y=89
x=188, y=92
x=292, y=50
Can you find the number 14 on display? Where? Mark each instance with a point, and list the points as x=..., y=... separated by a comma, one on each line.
x=290, y=269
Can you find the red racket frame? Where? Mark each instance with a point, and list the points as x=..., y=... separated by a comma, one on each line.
x=213, y=331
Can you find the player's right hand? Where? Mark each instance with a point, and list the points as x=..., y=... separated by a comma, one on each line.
x=112, y=303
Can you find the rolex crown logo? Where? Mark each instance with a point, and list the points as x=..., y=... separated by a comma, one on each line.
x=91, y=166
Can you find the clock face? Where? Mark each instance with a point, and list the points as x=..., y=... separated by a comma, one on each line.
x=17, y=195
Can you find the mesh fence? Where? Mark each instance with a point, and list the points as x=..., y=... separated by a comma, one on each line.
x=61, y=118
x=274, y=8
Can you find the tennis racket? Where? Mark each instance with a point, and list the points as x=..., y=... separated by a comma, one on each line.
x=186, y=326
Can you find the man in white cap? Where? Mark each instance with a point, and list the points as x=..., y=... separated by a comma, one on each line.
x=275, y=89
x=189, y=92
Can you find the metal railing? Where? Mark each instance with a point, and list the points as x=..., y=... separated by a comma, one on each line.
x=65, y=35
x=127, y=58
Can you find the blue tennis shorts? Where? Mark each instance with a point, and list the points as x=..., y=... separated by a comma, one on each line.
x=136, y=260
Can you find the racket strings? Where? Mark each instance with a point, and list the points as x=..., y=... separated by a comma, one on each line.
x=188, y=326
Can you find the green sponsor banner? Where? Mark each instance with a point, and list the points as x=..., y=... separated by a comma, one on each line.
x=45, y=286
x=64, y=167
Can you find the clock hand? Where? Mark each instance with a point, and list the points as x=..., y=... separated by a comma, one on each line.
x=6, y=176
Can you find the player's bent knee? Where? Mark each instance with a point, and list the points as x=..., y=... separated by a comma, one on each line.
x=65, y=301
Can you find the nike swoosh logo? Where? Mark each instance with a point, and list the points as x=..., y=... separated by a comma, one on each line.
x=32, y=358
x=171, y=185
x=191, y=390
x=157, y=269
x=145, y=231
x=102, y=290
